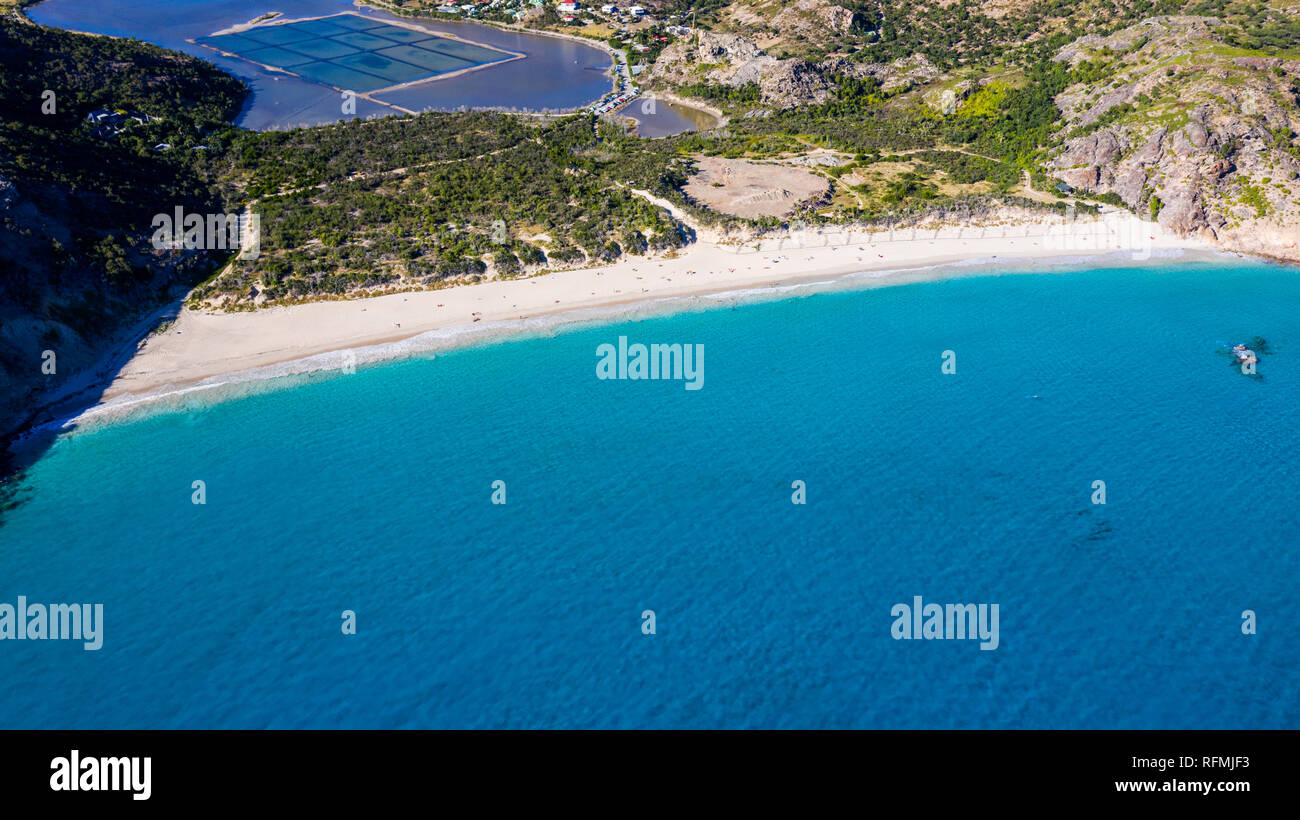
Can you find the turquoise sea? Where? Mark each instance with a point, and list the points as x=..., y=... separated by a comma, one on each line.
x=371, y=492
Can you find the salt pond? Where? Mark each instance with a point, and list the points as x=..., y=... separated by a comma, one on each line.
x=555, y=74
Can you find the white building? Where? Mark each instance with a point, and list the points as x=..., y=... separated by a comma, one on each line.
x=636, y=11
x=567, y=6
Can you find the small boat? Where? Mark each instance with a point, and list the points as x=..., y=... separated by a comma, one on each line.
x=1244, y=354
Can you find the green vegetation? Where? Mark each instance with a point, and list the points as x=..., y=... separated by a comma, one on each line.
x=103, y=190
x=1155, y=205
x=852, y=95
x=966, y=169
x=984, y=103
x=956, y=33
x=74, y=255
x=1252, y=196
x=737, y=95
x=1111, y=116
x=1267, y=34
x=428, y=200
x=413, y=202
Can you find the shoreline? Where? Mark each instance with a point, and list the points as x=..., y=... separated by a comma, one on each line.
x=400, y=18
x=633, y=124
x=203, y=350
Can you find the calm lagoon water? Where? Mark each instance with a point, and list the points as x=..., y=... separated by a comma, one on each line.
x=371, y=492
x=659, y=118
x=556, y=74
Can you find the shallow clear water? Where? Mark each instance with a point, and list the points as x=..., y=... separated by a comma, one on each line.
x=371, y=492
x=556, y=73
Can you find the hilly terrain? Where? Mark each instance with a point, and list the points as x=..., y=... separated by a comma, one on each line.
x=76, y=266
x=828, y=112
x=1185, y=113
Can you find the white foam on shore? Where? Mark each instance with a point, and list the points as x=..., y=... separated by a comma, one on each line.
x=290, y=373
x=284, y=374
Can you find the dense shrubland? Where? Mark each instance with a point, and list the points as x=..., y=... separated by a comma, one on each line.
x=75, y=208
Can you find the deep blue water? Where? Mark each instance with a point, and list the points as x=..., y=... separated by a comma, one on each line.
x=556, y=73
x=370, y=492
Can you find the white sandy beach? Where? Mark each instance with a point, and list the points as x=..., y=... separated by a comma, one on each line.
x=204, y=347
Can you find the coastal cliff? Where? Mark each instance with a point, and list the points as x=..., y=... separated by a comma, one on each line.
x=77, y=272
x=832, y=113
x=1189, y=130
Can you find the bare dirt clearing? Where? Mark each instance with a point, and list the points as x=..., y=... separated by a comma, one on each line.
x=752, y=189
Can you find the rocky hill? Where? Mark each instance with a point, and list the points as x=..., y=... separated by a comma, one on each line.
x=76, y=268
x=734, y=61
x=1184, y=128
x=1190, y=119
x=789, y=20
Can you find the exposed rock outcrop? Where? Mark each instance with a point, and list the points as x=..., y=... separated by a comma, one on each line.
x=903, y=73
x=1203, y=142
x=812, y=17
x=946, y=100
x=734, y=61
